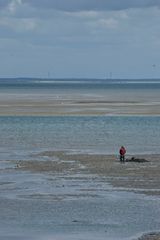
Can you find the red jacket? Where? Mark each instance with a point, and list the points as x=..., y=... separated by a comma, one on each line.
x=122, y=151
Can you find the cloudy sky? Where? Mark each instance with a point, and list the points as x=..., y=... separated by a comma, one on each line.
x=80, y=38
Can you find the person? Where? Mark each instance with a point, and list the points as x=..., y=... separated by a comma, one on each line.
x=122, y=152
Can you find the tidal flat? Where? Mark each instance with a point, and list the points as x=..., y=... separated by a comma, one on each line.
x=78, y=196
x=76, y=102
x=130, y=176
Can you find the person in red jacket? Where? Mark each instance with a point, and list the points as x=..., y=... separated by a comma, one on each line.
x=122, y=152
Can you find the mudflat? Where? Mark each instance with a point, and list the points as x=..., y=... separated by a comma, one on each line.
x=130, y=176
x=138, y=177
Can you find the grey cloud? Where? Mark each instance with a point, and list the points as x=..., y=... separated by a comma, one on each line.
x=82, y=5
x=4, y=3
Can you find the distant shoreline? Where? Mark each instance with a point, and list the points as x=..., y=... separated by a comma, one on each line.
x=79, y=97
x=77, y=79
x=47, y=105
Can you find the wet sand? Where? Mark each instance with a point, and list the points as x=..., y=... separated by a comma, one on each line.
x=129, y=176
x=136, y=177
x=72, y=104
x=151, y=236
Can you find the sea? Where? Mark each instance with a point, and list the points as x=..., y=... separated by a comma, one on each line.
x=91, y=134
x=112, y=214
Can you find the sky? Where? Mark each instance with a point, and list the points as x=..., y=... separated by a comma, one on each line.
x=80, y=38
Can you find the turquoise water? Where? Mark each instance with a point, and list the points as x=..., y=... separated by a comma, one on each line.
x=101, y=134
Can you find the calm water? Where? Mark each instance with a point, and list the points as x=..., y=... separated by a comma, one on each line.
x=80, y=134
x=148, y=90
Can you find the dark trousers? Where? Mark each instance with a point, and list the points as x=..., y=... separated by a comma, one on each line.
x=122, y=158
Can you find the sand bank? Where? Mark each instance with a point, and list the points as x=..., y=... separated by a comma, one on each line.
x=65, y=104
x=130, y=176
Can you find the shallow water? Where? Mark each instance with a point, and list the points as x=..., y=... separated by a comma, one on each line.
x=21, y=136
x=71, y=206
x=56, y=206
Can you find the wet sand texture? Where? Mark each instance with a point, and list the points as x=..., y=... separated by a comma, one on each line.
x=140, y=177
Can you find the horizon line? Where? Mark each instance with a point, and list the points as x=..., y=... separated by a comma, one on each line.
x=77, y=78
